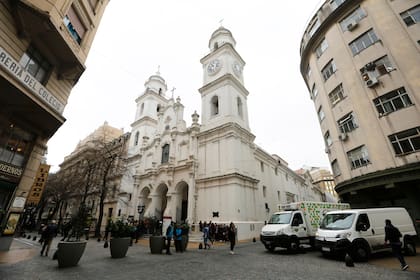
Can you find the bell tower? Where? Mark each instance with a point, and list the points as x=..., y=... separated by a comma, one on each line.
x=223, y=95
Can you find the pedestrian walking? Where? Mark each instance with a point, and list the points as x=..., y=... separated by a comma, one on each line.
x=392, y=236
x=232, y=236
x=169, y=235
x=206, y=233
x=178, y=239
x=48, y=235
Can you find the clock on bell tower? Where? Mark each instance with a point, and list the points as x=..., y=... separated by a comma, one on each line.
x=223, y=95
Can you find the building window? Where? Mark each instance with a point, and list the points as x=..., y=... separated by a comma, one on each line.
x=15, y=144
x=158, y=108
x=239, y=104
x=358, y=157
x=314, y=27
x=136, y=139
x=308, y=72
x=352, y=19
x=314, y=91
x=74, y=25
x=336, y=95
x=214, y=105
x=141, y=109
x=262, y=166
x=406, y=141
x=392, y=101
x=290, y=197
x=327, y=138
x=165, y=153
x=364, y=41
x=278, y=195
x=321, y=48
x=36, y=64
x=264, y=191
x=335, y=168
x=328, y=70
x=321, y=114
x=347, y=123
x=411, y=16
x=335, y=3
x=276, y=171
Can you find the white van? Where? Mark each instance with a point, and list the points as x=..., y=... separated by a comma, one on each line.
x=361, y=232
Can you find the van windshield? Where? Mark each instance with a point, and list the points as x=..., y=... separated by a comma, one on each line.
x=337, y=221
x=280, y=218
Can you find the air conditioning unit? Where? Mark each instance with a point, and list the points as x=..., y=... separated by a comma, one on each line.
x=372, y=82
x=351, y=25
x=343, y=136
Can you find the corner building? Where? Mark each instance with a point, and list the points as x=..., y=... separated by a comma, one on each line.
x=361, y=64
x=211, y=171
x=43, y=48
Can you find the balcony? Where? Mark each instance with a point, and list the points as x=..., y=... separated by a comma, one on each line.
x=47, y=32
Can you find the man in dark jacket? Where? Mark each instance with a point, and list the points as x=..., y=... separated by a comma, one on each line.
x=48, y=234
x=392, y=236
x=169, y=235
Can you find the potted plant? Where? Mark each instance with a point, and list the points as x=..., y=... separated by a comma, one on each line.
x=70, y=250
x=120, y=238
x=156, y=240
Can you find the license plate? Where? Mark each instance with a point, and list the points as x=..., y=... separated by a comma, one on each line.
x=326, y=249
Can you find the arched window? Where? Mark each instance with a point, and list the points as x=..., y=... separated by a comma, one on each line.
x=165, y=153
x=158, y=108
x=239, y=103
x=136, y=139
x=141, y=109
x=214, y=105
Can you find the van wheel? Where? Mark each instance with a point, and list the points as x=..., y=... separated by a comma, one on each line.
x=360, y=252
x=294, y=245
x=410, y=249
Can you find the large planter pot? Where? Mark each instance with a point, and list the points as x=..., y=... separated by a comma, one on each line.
x=119, y=247
x=156, y=243
x=6, y=242
x=69, y=253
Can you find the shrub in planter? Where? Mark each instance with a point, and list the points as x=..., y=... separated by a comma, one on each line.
x=120, y=238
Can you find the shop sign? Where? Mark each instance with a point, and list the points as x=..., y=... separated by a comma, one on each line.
x=14, y=68
x=10, y=169
x=19, y=202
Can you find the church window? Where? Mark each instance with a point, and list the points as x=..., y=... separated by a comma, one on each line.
x=141, y=108
x=239, y=103
x=214, y=105
x=136, y=139
x=165, y=153
x=278, y=195
x=158, y=108
x=264, y=191
x=262, y=166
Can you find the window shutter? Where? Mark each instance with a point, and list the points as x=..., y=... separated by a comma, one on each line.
x=76, y=22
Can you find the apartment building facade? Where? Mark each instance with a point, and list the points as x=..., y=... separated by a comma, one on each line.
x=43, y=48
x=361, y=63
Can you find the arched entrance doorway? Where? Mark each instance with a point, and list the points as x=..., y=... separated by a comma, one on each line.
x=182, y=203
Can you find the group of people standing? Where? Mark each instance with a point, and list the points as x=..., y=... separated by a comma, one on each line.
x=210, y=231
x=176, y=232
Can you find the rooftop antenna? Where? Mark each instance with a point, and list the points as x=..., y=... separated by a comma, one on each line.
x=221, y=22
x=158, y=71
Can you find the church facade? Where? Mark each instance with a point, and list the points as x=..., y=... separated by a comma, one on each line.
x=208, y=171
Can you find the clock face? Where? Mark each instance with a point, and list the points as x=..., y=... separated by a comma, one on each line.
x=237, y=68
x=214, y=66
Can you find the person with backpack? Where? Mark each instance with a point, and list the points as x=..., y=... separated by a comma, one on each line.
x=392, y=237
x=169, y=235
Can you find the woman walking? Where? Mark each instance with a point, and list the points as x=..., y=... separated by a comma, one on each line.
x=232, y=236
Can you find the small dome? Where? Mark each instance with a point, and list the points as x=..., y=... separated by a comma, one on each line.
x=156, y=83
x=220, y=37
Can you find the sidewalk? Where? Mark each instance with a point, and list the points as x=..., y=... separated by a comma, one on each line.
x=24, y=249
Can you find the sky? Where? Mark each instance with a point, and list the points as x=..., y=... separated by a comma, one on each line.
x=136, y=37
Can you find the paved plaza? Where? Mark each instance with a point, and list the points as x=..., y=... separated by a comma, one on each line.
x=250, y=261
